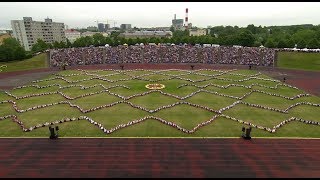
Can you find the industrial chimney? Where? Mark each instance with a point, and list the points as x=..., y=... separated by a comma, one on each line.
x=186, y=25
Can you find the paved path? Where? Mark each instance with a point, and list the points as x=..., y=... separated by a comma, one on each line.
x=101, y=157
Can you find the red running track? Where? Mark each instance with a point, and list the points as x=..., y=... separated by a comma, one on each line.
x=104, y=157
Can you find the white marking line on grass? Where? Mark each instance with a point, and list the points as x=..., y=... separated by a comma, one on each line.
x=3, y=66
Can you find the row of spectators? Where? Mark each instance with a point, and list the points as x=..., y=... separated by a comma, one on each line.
x=163, y=54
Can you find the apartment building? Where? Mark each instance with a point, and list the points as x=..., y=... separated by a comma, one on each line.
x=197, y=32
x=72, y=35
x=27, y=31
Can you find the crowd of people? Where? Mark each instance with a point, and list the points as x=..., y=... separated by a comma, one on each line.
x=162, y=54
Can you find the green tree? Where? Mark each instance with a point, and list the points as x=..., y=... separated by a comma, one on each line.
x=114, y=34
x=216, y=30
x=115, y=42
x=304, y=34
x=246, y=38
x=98, y=39
x=192, y=40
x=270, y=43
x=109, y=41
x=302, y=44
x=185, y=39
x=122, y=40
x=252, y=28
x=180, y=34
x=143, y=40
x=11, y=50
x=88, y=40
x=313, y=44
x=152, y=40
x=62, y=44
x=172, y=29
x=229, y=31
x=130, y=41
x=3, y=52
x=157, y=40
x=56, y=44
x=228, y=40
x=138, y=40
x=282, y=44
x=290, y=34
x=256, y=44
x=78, y=42
x=290, y=43
x=213, y=40
x=40, y=46
x=69, y=44
x=83, y=41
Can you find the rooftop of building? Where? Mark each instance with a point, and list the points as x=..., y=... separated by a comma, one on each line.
x=71, y=31
x=148, y=33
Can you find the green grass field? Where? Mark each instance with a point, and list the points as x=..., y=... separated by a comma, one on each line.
x=35, y=62
x=299, y=60
x=194, y=102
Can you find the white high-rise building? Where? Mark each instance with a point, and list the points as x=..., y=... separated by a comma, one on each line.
x=27, y=31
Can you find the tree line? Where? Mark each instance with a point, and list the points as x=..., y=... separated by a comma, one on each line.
x=301, y=36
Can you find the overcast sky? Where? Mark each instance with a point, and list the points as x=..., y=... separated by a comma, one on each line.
x=155, y=14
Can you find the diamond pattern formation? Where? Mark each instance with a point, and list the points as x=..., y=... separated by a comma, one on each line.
x=154, y=106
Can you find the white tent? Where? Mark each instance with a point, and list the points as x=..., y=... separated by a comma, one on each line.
x=237, y=46
x=107, y=45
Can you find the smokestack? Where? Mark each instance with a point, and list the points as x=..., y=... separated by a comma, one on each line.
x=186, y=25
x=175, y=16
